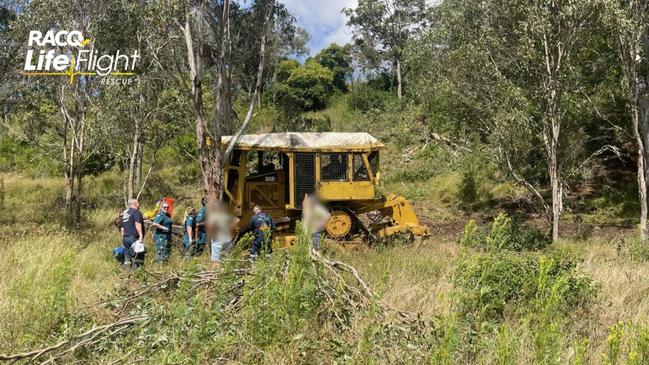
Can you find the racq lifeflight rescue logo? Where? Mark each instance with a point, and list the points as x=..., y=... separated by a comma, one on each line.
x=70, y=54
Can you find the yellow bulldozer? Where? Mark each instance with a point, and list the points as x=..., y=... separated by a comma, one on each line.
x=277, y=170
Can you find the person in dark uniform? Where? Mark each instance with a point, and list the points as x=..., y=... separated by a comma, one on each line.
x=162, y=234
x=132, y=230
x=262, y=226
x=201, y=231
x=189, y=231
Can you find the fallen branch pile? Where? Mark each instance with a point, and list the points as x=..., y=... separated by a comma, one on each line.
x=338, y=267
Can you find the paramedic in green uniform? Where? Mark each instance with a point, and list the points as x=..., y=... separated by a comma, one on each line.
x=201, y=232
x=189, y=231
x=162, y=234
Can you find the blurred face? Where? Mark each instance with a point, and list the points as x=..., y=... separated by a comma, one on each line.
x=164, y=208
x=256, y=210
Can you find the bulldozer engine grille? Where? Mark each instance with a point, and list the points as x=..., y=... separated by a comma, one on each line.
x=304, y=176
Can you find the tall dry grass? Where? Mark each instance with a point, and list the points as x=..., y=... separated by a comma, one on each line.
x=54, y=278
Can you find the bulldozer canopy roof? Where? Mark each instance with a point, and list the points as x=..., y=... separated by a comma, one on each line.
x=292, y=141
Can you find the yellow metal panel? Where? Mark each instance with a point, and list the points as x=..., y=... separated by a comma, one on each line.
x=291, y=179
x=243, y=161
x=346, y=190
x=350, y=166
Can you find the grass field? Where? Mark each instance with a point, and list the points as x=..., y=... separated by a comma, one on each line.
x=54, y=281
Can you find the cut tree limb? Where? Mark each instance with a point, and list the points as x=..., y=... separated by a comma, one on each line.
x=75, y=342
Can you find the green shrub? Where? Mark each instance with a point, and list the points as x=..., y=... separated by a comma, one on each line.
x=338, y=59
x=189, y=174
x=472, y=236
x=639, y=353
x=415, y=193
x=493, y=285
x=279, y=304
x=626, y=343
x=468, y=192
x=364, y=98
x=307, y=88
x=29, y=160
x=285, y=68
x=420, y=167
x=506, y=234
x=614, y=343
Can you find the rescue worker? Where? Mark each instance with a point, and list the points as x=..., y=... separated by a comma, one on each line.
x=131, y=230
x=201, y=232
x=162, y=233
x=262, y=226
x=189, y=230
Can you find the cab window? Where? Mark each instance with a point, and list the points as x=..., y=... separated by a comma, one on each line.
x=360, y=171
x=333, y=167
x=264, y=162
x=373, y=159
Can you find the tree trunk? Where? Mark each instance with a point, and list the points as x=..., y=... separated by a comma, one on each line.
x=642, y=173
x=137, y=181
x=209, y=152
x=640, y=119
x=638, y=108
x=398, y=71
x=639, y=132
x=208, y=145
x=555, y=55
x=133, y=162
x=80, y=119
x=67, y=170
x=551, y=141
x=69, y=188
x=643, y=129
x=69, y=160
x=77, y=198
x=557, y=192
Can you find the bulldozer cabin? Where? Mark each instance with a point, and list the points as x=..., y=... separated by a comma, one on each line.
x=277, y=170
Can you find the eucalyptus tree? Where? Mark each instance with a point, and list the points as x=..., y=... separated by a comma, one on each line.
x=284, y=40
x=512, y=73
x=192, y=23
x=138, y=98
x=76, y=128
x=71, y=95
x=8, y=54
x=337, y=59
x=629, y=22
x=382, y=28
